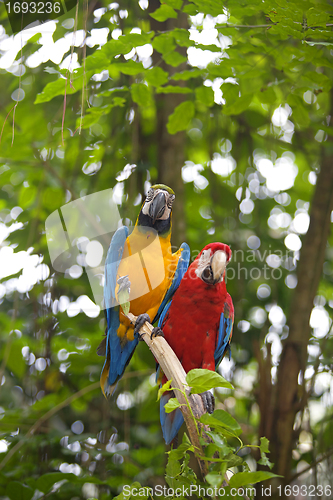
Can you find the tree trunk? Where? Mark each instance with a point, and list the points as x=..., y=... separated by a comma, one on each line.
x=288, y=395
x=170, y=148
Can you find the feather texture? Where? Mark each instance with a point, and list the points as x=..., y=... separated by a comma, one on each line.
x=197, y=324
x=154, y=273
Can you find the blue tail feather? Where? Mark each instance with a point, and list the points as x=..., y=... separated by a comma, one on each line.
x=170, y=422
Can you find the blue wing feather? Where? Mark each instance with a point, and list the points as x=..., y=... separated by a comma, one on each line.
x=117, y=354
x=164, y=312
x=182, y=266
x=225, y=331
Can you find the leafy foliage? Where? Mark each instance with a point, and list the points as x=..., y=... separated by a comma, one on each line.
x=250, y=107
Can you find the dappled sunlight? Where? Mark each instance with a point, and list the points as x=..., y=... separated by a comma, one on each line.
x=232, y=111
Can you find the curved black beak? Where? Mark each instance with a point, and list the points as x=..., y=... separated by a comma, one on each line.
x=157, y=207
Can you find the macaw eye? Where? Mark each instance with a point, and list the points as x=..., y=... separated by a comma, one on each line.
x=150, y=195
x=205, y=254
x=170, y=201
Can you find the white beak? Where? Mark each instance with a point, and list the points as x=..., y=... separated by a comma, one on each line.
x=218, y=264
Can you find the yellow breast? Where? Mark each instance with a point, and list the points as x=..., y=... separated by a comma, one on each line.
x=148, y=262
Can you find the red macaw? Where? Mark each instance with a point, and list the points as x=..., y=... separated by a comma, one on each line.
x=197, y=324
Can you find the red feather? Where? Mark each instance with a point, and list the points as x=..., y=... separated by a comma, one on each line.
x=191, y=325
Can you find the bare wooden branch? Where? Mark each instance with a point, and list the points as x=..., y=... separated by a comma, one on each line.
x=174, y=371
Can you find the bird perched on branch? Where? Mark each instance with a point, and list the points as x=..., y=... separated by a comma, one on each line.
x=143, y=267
x=197, y=324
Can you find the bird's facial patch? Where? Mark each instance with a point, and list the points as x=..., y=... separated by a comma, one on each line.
x=158, y=204
x=211, y=267
x=203, y=264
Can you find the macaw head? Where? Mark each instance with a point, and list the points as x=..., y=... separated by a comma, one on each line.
x=157, y=207
x=211, y=263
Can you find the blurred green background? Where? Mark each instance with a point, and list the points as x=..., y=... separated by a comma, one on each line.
x=230, y=104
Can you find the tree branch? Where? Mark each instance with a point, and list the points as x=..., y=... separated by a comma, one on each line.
x=174, y=371
x=325, y=456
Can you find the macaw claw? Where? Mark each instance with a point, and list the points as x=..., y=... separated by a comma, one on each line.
x=208, y=401
x=157, y=332
x=140, y=321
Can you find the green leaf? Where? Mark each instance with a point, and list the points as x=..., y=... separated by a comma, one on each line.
x=19, y=491
x=182, y=37
x=264, y=444
x=263, y=450
x=218, y=441
x=233, y=460
x=116, y=101
x=96, y=62
x=187, y=74
x=221, y=418
x=15, y=362
x=136, y=39
x=300, y=115
x=222, y=70
x=46, y=481
x=238, y=106
x=244, y=478
x=317, y=18
x=171, y=405
x=173, y=89
x=202, y=380
x=156, y=76
x=52, y=198
x=173, y=467
x=141, y=94
x=163, y=13
x=180, y=451
x=190, y=9
x=181, y=118
x=214, y=479
x=205, y=95
x=210, y=47
x=230, y=92
x=164, y=43
x=176, y=4
x=116, y=47
x=174, y=59
x=59, y=86
x=129, y=68
x=255, y=119
x=27, y=196
x=165, y=387
x=267, y=96
x=318, y=80
x=264, y=461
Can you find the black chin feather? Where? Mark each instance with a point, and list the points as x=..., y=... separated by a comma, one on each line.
x=161, y=226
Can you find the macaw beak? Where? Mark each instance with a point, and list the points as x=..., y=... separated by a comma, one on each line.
x=213, y=273
x=157, y=207
x=218, y=264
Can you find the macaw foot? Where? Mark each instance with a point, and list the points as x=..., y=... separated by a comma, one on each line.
x=208, y=401
x=140, y=321
x=157, y=332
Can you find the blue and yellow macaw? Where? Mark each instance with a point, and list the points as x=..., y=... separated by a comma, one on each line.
x=145, y=260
